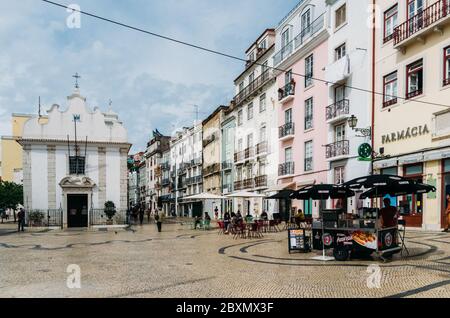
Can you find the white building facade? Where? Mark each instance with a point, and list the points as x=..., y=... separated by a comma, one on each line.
x=76, y=162
x=256, y=133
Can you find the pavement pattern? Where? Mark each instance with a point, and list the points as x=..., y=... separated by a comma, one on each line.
x=183, y=263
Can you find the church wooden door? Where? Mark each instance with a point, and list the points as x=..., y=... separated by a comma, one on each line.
x=77, y=210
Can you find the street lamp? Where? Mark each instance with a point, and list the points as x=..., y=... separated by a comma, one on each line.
x=365, y=132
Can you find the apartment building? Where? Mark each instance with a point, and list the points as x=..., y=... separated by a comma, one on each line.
x=412, y=131
x=254, y=107
x=153, y=157
x=349, y=65
x=212, y=156
x=186, y=170
x=165, y=199
x=301, y=53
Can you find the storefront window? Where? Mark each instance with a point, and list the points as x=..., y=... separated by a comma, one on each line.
x=392, y=172
x=413, y=203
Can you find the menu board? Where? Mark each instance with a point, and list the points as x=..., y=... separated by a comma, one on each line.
x=297, y=239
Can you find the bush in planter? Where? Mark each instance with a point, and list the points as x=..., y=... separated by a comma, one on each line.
x=110, y=209
x=36, y=217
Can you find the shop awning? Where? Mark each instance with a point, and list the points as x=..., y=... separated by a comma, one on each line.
x=282, y=195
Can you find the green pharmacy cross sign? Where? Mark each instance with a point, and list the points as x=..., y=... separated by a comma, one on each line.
x=365, y=152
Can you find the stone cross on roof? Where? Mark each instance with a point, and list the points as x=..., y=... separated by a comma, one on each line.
x=76, y=76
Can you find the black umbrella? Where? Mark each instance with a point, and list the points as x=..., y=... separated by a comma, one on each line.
x=398, y=190
x=283, y=194
x=322, y=192
x=376, y=181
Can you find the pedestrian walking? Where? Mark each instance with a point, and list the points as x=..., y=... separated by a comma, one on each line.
x=21, y=220
x=159, y=218
x=141, y=215
x=447, y=212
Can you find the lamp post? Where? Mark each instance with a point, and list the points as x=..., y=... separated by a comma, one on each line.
x=365, y=132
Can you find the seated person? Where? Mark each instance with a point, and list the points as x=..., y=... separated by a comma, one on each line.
x=226, y=221
x=207, y=217
x=264, y=216
x=388, y=214
x=299, y=217
x=198, y=220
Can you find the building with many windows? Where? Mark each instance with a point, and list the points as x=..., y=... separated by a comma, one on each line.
x=301, y=53
x=255, y=136
x=349, y=56
x=186, y=170
x=412, y=134
x=153, y=157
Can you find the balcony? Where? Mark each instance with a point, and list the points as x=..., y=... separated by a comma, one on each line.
x=238, y=185
x=262, y=148
x=227, y=165
x=165, y=166
x=415, y=93
x=253, y=88
x=338, y=149
x=209, y=140
x=315, y=27
x=249, y=183
x=429, y=20
x=211, y=169
x=227, y=188
x=286, y=169
x=194, y=180
x=239, y=156
x=340, y=70
x=286, y=131
x=286, y=93
x=283, y=54
x=302, y=39
x=338, y=111
x=165, y=182
x=261, y=181
x=249, y=153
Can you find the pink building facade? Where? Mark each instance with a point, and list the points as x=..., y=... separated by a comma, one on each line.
x=302, y=53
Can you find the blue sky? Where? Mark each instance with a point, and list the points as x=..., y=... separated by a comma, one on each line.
x=152, y=83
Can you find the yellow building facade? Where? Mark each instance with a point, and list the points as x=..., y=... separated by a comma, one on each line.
x=412, y=104
x=11, y=154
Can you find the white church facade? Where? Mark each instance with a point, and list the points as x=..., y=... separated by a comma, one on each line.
x=75, y=161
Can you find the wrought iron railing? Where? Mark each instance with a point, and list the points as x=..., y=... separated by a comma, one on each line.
x=339, y=148
x=422, y=20
x=285, y=169
x=287, y=90
x=44, y=218
x=283, y=54
x=211, y=169
x=227, y=165
x=249, y=152
x=415, y=93
x=261, y=148
x=337, y=109
x=286, y=130
x=239, y=156
x=249, y=183
x=238, y=185
x=309, y=31
x=98, y=217
x=252, y=87
x=261, y=181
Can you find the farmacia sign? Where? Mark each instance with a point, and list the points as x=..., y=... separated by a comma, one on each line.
x=409, y=133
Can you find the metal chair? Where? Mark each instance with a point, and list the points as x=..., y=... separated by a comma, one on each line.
x=401, y=234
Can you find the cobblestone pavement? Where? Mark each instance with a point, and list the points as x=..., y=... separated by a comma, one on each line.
x=139, y=262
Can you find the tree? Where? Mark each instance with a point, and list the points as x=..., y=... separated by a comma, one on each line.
x=11, y=194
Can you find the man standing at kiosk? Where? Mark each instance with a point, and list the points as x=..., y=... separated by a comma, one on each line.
x=388, y=214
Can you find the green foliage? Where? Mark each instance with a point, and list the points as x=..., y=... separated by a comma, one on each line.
x=11, y=194
x=110, y=209
x=36, y=217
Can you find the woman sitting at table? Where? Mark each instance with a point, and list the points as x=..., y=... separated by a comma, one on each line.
x=264, y=216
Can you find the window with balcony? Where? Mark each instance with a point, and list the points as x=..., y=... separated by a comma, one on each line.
x=240, y=118
x=447, y=66
x=250, y=111
x=309, y=70
x=288, y=116
x=390, y=23
x=390, y=89
x=306, y=22
x=288, y=77
x=414, y=79
x=288, y=154
x=340, y=16
x=309, y=156
x=309, y=110
x=339, y=133
x=249, y=140
x=262, y=103
x=285, y=38
x=240, y=145
x=77, y=165
x=263, y=44
x=241, y=87
x=339, y=52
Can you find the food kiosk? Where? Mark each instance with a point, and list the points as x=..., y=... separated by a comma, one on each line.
x=358, y=235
